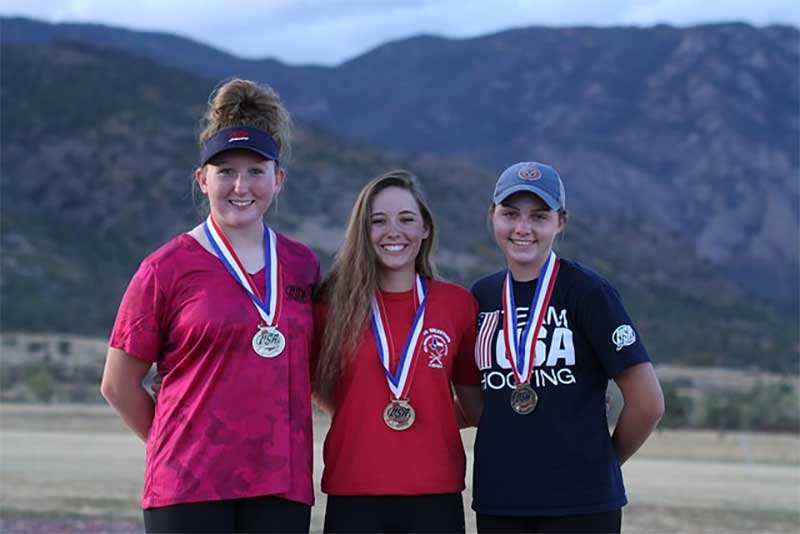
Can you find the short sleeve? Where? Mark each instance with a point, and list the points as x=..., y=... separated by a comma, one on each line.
x=137, y=328
x=465, y=372
x=610, y=330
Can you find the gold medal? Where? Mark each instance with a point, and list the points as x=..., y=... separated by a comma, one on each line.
x=268, y=341
x=399, y=415
x=524, y=399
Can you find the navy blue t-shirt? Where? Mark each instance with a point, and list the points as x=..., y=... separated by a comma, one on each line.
x=558, y=460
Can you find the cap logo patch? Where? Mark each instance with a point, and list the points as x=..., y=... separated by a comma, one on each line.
x=623, y=336
x=238, y=135
x=529, y=172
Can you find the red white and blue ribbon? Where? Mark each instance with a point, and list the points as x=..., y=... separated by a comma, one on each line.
x=521, y=350
x=269, y=308
x=399, y=381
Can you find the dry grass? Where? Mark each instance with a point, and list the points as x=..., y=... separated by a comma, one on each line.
x=79, y=460
x=708, y=445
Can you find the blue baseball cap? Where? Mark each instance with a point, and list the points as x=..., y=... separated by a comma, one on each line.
x=240, y=137
x=537, y=178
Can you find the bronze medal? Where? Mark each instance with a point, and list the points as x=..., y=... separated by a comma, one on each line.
x=268, y=342
x=399, y=415
x=521, y=347
x=524, y=399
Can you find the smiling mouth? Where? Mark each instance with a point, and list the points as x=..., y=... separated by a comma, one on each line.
x=522, y=242
x=241, y=203
x=393, y=248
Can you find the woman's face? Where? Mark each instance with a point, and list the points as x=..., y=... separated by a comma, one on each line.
x=397, y=229
x=524, y=229
x=240, y=185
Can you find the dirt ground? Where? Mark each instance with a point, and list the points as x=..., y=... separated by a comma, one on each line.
x=76, y=468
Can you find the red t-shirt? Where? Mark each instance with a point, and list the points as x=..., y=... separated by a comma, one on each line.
x=228, y=423
x=362, y=455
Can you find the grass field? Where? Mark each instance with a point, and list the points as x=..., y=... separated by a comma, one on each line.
x=77, y=468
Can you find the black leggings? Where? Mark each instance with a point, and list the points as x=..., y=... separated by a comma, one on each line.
x=257, y=514
x=395, y=513
x=601, y=522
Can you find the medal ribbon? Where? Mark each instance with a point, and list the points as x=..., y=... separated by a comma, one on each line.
x=399, y=381
x=521, y=350
x=268, y=308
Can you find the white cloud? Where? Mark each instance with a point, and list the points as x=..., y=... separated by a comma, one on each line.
x=328, y=32
x=692, y=12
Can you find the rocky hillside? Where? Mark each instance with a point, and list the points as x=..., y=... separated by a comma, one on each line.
x=98, y=148
x=694, y=129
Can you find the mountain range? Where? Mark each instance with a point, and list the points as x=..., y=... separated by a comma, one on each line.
x=678, y=148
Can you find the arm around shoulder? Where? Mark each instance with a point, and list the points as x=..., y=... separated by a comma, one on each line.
x=642, y=410
x=122, y=388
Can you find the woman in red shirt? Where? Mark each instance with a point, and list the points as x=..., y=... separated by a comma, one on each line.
x=396, y=340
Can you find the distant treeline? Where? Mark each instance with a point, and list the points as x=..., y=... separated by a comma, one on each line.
x=762, y=407
x=54, y=373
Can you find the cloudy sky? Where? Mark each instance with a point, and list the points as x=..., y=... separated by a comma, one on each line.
x=331, y=31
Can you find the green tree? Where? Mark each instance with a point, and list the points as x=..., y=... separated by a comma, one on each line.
x=679, y=407
x=42, y=384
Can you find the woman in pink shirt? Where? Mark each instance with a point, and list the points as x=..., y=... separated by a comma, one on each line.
x=224, y=312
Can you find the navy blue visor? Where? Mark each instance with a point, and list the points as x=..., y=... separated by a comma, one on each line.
x=241, y=138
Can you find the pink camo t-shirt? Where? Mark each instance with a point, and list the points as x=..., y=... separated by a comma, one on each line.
x=228, y=423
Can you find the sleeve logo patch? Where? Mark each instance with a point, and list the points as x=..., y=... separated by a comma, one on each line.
x=623, y=336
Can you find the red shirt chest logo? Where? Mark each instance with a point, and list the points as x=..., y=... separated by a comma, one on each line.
x=436, y=346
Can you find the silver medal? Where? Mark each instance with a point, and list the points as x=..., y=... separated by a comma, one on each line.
x=268, y=342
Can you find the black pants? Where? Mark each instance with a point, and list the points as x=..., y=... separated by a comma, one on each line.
x=257, y=514
x=610, y=522
x=395, y=513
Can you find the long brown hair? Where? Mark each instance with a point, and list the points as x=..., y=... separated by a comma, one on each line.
x=352, y=281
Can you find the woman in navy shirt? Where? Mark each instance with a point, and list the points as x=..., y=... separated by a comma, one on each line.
x=551, y=333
